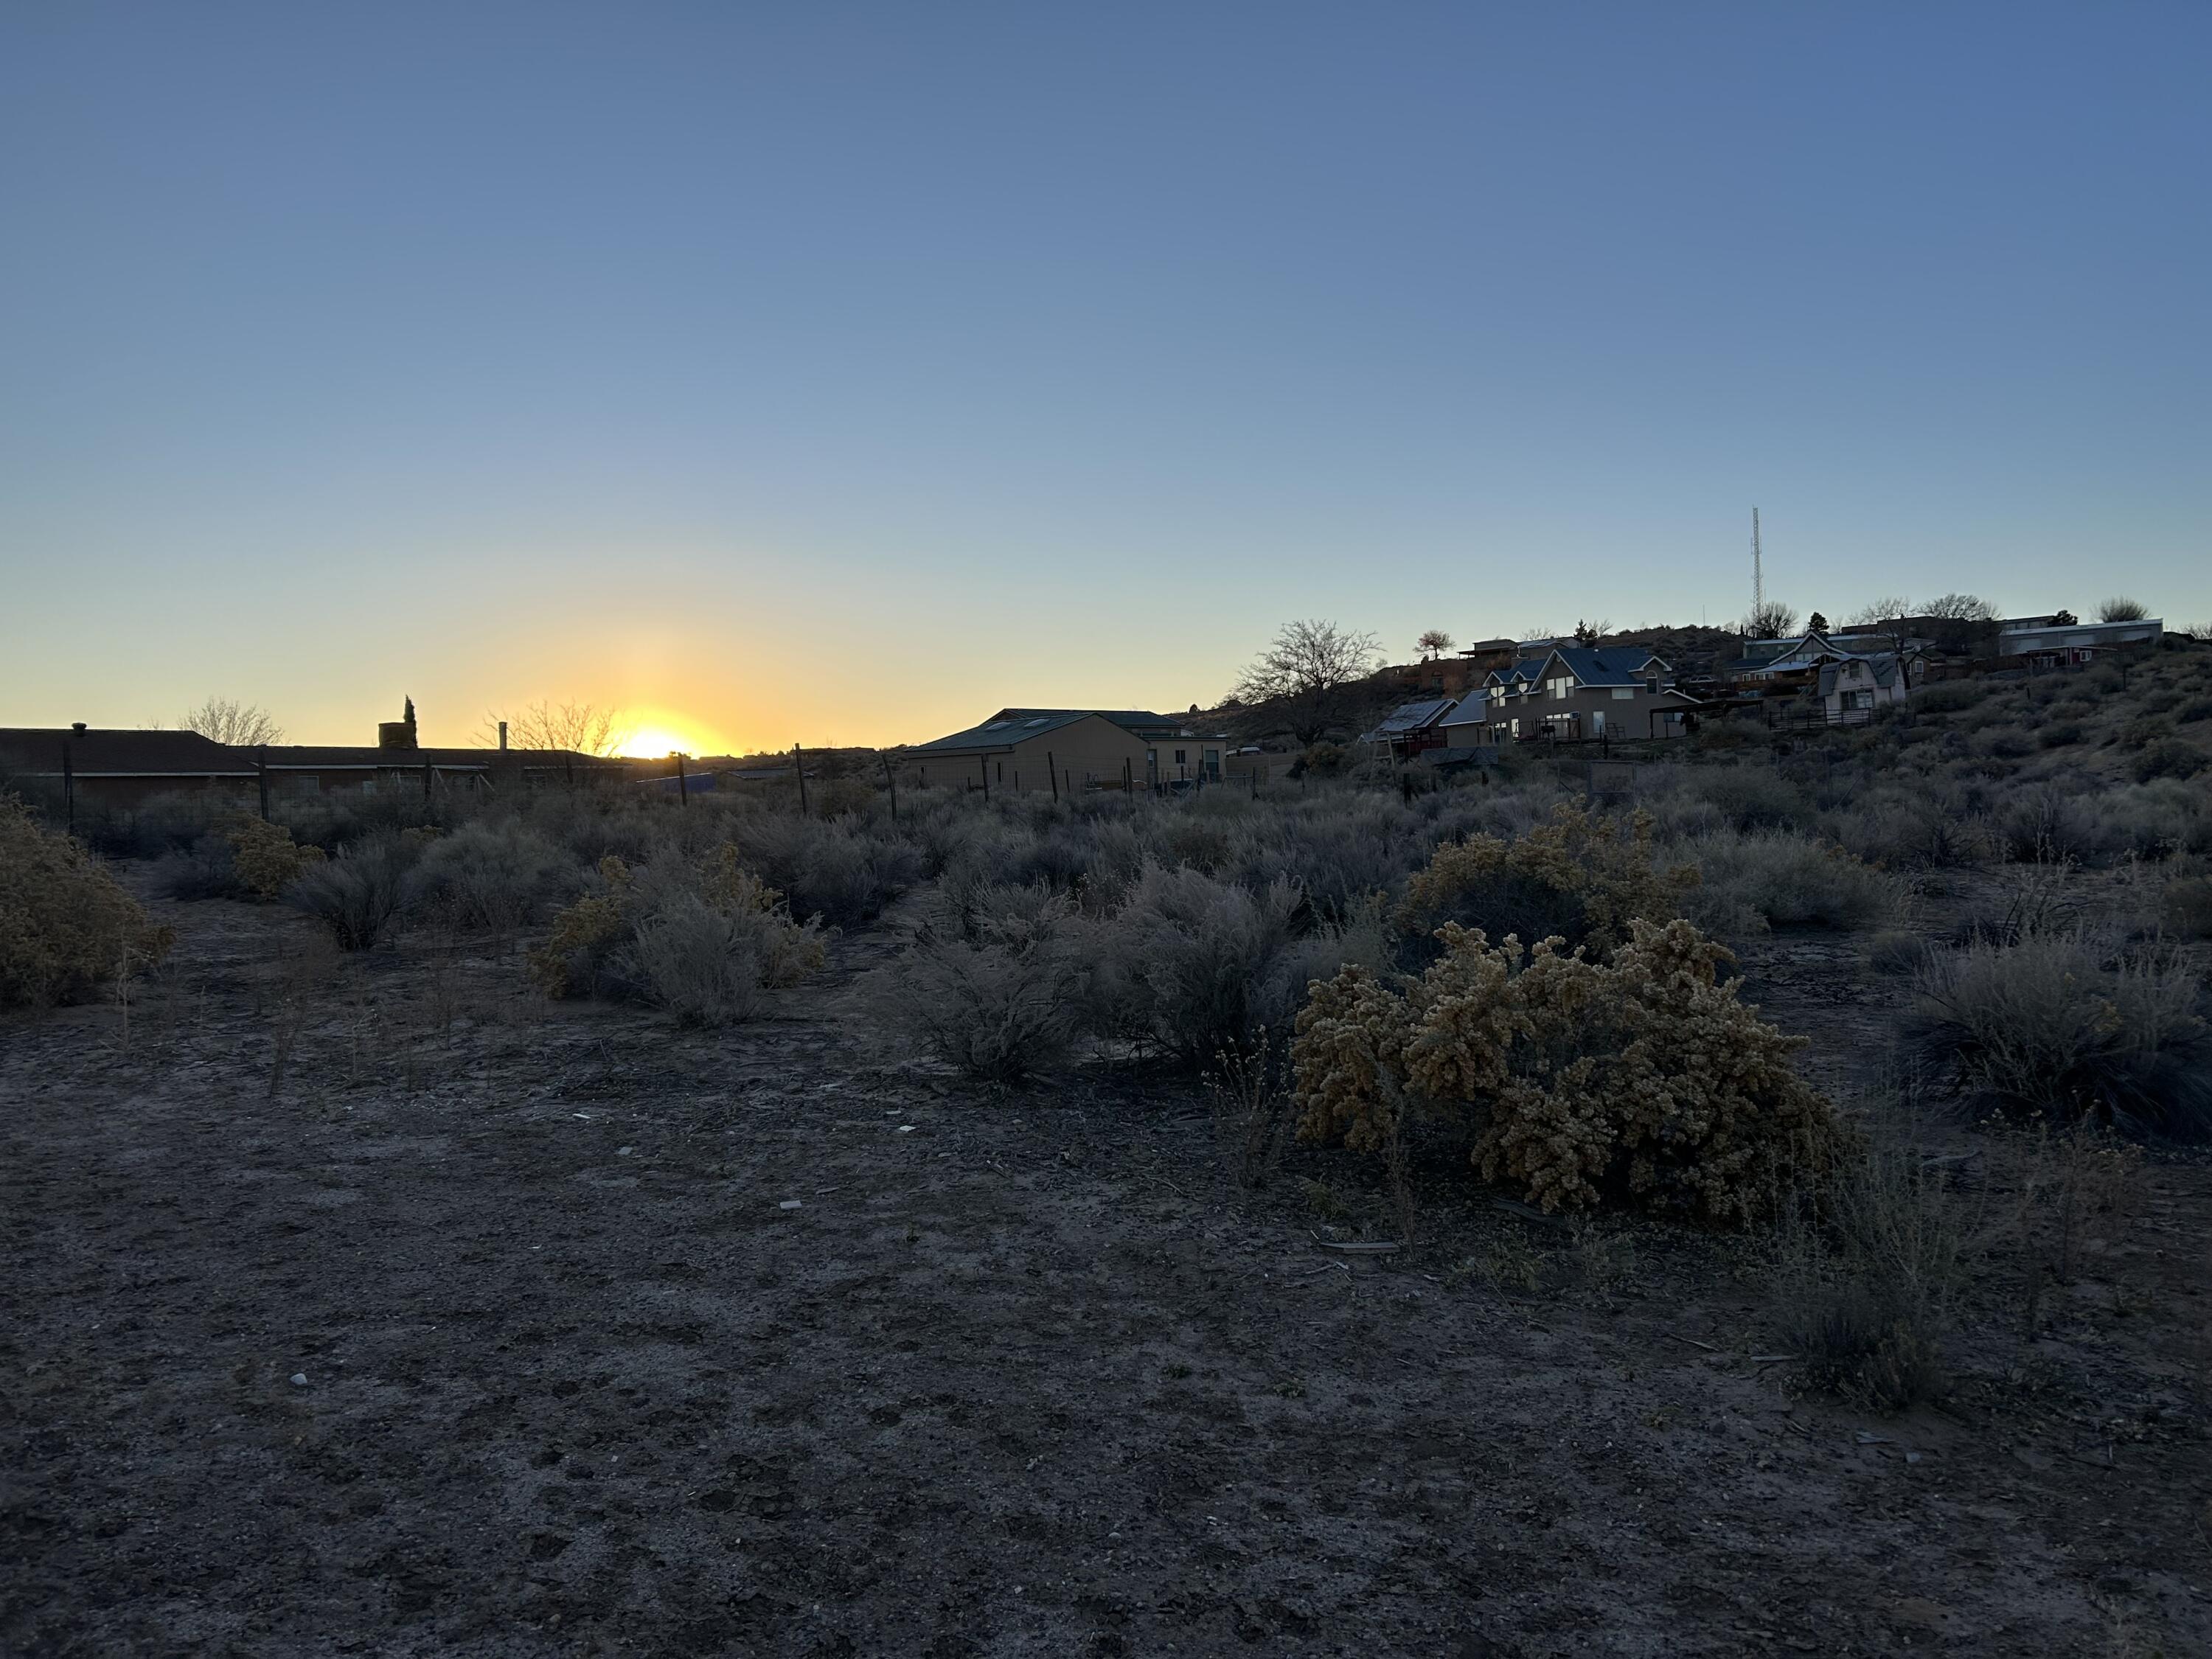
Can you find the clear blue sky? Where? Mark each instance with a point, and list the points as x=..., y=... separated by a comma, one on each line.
x=842, y=373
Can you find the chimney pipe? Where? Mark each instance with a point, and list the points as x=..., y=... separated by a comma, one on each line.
x=502, y=737
x=76, y=725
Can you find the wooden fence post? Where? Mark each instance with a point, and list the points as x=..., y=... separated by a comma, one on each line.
x=261, y=771
x=891, y=780
x=1052, y=771
x=69, y=784
x=983, y=762
x=682, y=782
x=798, y=765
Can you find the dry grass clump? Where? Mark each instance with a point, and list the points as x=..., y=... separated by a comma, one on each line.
x=1777, y=878
x=700, y=940
x=2050, y=1025
x=2169, y=757
x=66, y=924
x=1583, y=877
x=839, y=873
x=2188, y=906
x=361, y=892
x=996, y=983
x=1195, y=967
x=491, y=875
x=1869, y=1266
x=1641, y=1081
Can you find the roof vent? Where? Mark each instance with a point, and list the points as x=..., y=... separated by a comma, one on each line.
x=76, y=725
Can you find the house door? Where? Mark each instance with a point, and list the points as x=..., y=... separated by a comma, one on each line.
x=1597, y=722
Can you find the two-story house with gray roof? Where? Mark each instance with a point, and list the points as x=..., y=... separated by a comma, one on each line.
x=1572, y=693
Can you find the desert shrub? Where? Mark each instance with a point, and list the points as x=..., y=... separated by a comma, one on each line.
x=168, y=823
x=491, y=875
x=66, y=923
x=569, y=960
x=1641, y=1081
x=837, y=798
x=1894, y=950
x=1950, y=696
x=997, y=985
x=1869, y=1265
x=2046, y=1026
x=2154, y=820
x=1775, y=878
x=266, y=857
x=1337, y=853
x=2188, y=906
x=359, y=893
x=700, y=938
x=1195, y=966
x=707, y=956
x=2169, y=757
x=1580, y=877
x=837, y=872
x=204, y=870
x=696, y=962
x=1323, y=759
x=1931, y=829
x=2046, y=823
x=1750, y=797
x=2059, y=735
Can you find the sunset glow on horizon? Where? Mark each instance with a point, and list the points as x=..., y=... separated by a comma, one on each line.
x=842, y=381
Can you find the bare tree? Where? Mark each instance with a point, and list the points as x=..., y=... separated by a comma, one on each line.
x=226, y=719
x=2122, y=610
x=1961, y=607
x=1433, y=644
x=1771, y=621
x=1589, y=633
x=1305, y=666
x=583, y=728
x=1876, y=611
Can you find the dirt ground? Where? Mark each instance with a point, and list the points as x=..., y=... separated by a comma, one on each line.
x=382, y=1307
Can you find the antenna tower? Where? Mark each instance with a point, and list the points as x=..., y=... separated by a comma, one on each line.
x=1757, y=573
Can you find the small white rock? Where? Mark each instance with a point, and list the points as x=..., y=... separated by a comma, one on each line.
x=790, y=1204
x=299, y=1379
x=906, y=1128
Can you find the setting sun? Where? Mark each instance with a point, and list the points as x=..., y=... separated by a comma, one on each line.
x=652, y=742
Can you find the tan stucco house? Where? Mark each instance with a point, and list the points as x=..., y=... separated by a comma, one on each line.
x=1038, y=751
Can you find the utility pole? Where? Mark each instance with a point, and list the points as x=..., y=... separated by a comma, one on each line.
x=1758, y=572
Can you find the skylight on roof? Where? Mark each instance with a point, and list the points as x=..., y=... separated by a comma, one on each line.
x=1042, y=719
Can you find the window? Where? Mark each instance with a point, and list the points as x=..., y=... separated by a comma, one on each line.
x=1181, y=757
x=1624, y=694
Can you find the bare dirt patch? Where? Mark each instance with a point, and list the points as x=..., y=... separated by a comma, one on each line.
x=485, y=1325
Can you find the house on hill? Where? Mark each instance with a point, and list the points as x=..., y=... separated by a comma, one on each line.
x=1570, y=693
x=1850, y=688
x=1410, y=729
x=1070, y=750
x=2044, y=642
